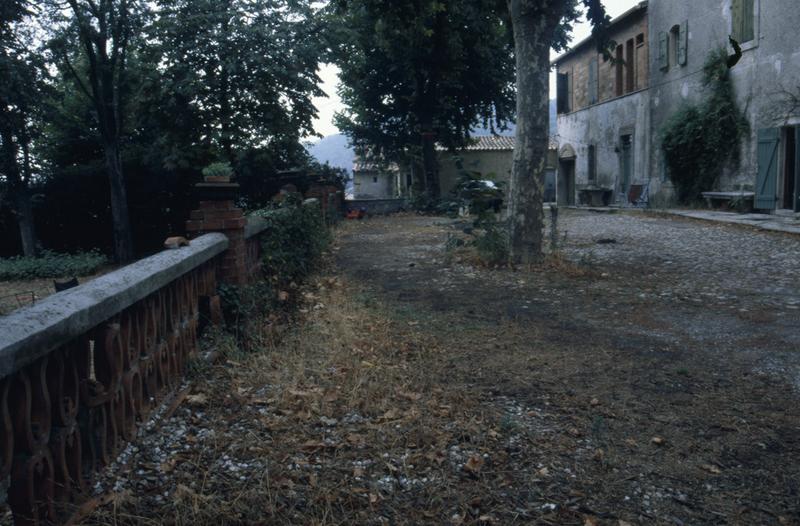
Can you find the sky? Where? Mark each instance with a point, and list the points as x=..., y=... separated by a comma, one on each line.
x=327, y=106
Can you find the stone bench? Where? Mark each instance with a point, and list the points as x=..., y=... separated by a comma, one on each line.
x=739, y=201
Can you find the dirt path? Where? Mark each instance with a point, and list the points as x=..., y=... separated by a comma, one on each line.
x=413, y=391
x=684, y=331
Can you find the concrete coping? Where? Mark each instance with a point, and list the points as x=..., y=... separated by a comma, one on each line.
x=34, y=331
x=255, y=225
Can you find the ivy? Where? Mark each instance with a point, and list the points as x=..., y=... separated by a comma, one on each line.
x=700, y=139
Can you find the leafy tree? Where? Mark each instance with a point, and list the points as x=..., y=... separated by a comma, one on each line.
x=21, y=90
x=539, y=25
x=234, y=76
x=418, y=72
x=104, y=32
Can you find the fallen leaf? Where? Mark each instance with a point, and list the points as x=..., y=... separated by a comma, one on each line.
x=711, y=469
x=283, y=295
x=373, y=498
x=658, y=441
x=590, y=521
x=358, y=472
x=198, y=399
x=410, y=395
x=313, y=445
x=474, y=464
x=594, y=402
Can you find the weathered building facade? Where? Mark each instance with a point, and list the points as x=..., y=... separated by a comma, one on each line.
x=603, y=114
x=612, y=112
x=766, y=81
x=373, y=180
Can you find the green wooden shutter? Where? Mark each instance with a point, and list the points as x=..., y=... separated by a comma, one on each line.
x=683, y=43
x=663, y=55
x=767, y=179
x=748, y=21
x=593, y=81
x=736, y=20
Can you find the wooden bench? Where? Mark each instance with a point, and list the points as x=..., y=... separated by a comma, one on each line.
x=739, y=201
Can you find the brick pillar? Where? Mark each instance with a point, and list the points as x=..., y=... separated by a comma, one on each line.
x=218, y=213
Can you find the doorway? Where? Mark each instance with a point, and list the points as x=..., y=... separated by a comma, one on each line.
x=565, y=189
x=626, y=163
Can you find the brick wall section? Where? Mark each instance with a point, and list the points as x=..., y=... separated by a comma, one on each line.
x=226, y=218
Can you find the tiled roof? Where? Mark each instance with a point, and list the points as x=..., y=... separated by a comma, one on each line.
x=496, y=143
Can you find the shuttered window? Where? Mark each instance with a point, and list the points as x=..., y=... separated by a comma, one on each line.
x=593, y=81
x=563, y=93
x=663, y=50
x=592, y=160
x=683, y=43
x=743, y=20
x=767, y=180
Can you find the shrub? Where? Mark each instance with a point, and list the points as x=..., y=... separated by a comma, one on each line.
x=699, y=140
x=51, y=265
x=296, y=239
x=218, y=170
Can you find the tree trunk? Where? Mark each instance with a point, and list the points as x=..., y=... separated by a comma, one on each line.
x=430, y=166
x=27, y=230
x=533, y=35
x=123, y=240
x=20, y=196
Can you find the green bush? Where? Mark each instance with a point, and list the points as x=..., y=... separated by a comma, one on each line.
x=294, y=241
x=218, y=170
x=51, y=265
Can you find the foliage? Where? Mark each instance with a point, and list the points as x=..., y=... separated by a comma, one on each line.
x=492, y=245
x=51, y=265
x=218, y=170
x=297, y=237
x=241, y=74
x=700, y=139
x=417, y=71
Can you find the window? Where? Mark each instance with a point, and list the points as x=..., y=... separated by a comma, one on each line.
x=564, y=93
x=591, y=158
x=663, y=51
x=375, y=179
x=630, y=62
x=743, y=20
x=593, y=85
x=620, y=64
x=640, y=40
x=674, y=37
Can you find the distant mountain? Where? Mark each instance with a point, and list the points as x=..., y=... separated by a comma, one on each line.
x=334, y=149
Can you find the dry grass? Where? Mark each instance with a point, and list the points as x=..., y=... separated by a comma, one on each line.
x=348, y=423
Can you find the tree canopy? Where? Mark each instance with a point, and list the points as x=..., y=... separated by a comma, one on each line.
x=415, y=72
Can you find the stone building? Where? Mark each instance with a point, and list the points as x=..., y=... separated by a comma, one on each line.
x=492, y=156
x=372, y=180
x=603, y=114
x=611, y=113
x=766, y=81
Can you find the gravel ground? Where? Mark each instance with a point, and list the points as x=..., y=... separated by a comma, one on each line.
x=649, y=375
